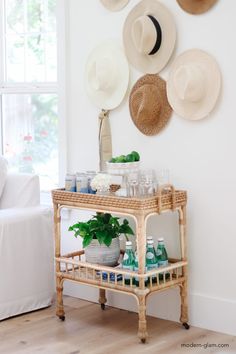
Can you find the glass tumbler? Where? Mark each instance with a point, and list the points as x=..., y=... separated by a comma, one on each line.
x=132, y=184
x=147, y=183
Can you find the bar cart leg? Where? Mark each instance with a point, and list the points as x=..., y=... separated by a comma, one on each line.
x=184, y=305
x=60, y=307
x=142, y=324
x=59, y=280
x=183, y=287
x=102, y=298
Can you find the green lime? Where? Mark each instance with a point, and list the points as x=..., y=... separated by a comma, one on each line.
x=136, y=155
x=121, y=158
x=130, y=158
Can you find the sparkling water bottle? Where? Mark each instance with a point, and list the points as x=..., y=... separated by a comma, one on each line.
x=128, y=261
x=162, y=257
x=151, y=259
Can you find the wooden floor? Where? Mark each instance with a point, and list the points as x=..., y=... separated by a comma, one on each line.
x=89, y=330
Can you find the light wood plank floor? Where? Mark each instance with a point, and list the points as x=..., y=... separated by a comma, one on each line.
x=89, y=330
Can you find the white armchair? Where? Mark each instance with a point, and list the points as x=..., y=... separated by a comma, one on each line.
x=26, y=248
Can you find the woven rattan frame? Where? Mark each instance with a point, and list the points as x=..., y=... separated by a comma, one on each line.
x=74, y=267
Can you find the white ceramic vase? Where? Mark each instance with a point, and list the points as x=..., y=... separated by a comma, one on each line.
x=101, y=254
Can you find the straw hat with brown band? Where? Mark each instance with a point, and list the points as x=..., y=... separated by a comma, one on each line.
x=114, y=5
x=106, y=81
x=196, y=7
x=148, y=104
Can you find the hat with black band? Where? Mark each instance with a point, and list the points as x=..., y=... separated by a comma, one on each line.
x=149, y=36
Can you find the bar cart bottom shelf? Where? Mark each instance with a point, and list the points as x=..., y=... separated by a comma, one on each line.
x=73, y=267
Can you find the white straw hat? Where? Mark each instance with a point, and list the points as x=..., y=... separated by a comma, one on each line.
x=194, y=84
x=114, y=5
x=107, y=75
x=149, y=36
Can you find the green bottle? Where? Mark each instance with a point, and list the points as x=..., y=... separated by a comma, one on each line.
x=150, y=238
x=162, y=257
x=128, y=261
x=151, y=259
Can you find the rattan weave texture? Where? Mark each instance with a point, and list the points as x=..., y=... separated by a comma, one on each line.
x=62, y=197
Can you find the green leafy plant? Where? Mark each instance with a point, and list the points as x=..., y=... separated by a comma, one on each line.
x=103, y=227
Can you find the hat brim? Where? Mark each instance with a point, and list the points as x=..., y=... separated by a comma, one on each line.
x=150, y=64
x=195, y=7
x=114, y=5
x=200, y=109
x=105, y=99
x=161, y=121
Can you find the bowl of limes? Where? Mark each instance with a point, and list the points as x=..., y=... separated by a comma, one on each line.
x=124, y=164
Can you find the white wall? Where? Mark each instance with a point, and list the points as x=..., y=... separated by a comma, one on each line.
x=200, y=156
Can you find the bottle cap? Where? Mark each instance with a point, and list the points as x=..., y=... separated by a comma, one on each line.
x=128, y=243
x=150, y=242
x=149, y=238
x=161, y=239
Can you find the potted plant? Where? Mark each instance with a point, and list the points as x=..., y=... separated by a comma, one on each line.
x=101, y=237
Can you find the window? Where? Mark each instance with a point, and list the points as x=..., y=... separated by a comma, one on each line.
x=29, y=88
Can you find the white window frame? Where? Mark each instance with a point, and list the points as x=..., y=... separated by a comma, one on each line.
x=57, y=88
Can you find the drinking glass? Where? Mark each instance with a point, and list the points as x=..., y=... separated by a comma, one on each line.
x=132, y=184
x=147, y=183
x=163, y=177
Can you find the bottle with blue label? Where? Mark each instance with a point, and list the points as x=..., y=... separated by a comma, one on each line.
x=162, y=257
x=151, y=259
x=128, y=261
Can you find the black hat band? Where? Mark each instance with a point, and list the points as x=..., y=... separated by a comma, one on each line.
x=159, y=35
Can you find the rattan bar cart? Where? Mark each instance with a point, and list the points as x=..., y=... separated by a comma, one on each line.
x=74, y=267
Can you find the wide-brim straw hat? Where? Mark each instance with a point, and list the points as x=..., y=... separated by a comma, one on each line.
x=114, y=5
x=194, y=84
x=149, y=36
x=148, y=104
x=107, y=75
x=196, y=7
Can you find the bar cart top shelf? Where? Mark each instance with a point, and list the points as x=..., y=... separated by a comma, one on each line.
x=165, y=199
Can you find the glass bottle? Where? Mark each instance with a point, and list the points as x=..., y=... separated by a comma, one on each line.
x=128, y=261
x=151, y=259
x=162, y=257
x=150, y=238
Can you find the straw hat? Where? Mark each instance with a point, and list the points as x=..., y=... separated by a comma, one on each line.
x=114, y=5
x=107, y=75
x=194, y=84
x=149, y=36
x=196, y=7
x=148, y=104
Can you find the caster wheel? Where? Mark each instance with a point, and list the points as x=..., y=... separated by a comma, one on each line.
x=103, y=306
x=62, y=318
x=143, y=340
x=186, y=325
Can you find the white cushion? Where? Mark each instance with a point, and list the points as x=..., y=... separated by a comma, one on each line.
x=3, y=173
x=20, y=191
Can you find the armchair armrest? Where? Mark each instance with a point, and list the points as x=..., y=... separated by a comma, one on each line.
x=20, y=190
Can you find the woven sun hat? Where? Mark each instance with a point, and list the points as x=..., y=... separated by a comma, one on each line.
x=107, y=75
x=114, y=5
x=148, y=104
x=149, y=36
x=194, y=83
x=196, y=7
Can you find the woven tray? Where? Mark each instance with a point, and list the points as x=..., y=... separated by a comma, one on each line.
x=162, y=201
